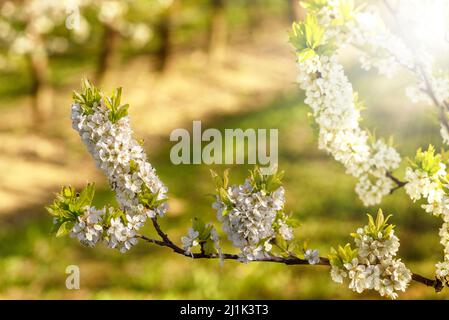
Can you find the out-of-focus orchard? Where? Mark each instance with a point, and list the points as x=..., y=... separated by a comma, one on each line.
x=224, y=62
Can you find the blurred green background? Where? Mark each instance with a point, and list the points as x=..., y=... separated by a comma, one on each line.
x=228, y=64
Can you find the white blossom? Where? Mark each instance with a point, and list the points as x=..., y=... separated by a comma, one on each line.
x=373, y=265
x=249, y=222
x=331, y=97
x=190, y=240
x=312, y=256
x=88, y=228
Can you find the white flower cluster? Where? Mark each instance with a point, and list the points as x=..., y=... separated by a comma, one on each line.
x=335, y=105
x=431, y=185
x=88, y=228
x=373, y=265
x=387, y=277
x=331, y=96
x=124, y=162
x=332, y=99
x=122, y=236
x=253, y=219
x=91, y=228
x=442, y=268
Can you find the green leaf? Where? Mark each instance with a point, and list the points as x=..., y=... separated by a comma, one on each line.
x=65, y=228
x=428, y=161
x=313, y=5
x=314, y=32
x=118, y=96
x=297, y=36
x=224, y=197
x=226, y=178
x=122, y=111
x=306, y=54
x=225, y=212
x=68, y=204
x=346, y=11
x=88, y=98
x=209, y=247
x=133, y=167
x=68, y=192
x=86, y=196
x=308, y=39
x=199, y=226
x=149, y=199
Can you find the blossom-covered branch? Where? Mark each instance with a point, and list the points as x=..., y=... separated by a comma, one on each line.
x=335, y=106
x=289, y=260
x=335, y=24
x=251, y=214
x=166, y=242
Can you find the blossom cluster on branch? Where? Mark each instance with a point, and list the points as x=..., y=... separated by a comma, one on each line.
x=372, y=265
x=428, y=179
x=252, y=214
x=334, y=24
x=335, y=105
x=103, y=125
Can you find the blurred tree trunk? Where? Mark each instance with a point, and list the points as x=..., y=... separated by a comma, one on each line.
x=107, y=55
x=40, y=86
x=163, y=30
x=254, y=12
x=217, y=37
x=296, y=11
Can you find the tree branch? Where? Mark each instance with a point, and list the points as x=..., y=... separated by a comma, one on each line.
x=399, y=183
x=290, y=261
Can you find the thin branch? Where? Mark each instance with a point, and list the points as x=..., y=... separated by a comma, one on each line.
x=291, y=260
x=165, y=238
x=399, y=183
x=153, y=241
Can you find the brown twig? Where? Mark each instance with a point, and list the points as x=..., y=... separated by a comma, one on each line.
x=399, y=183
